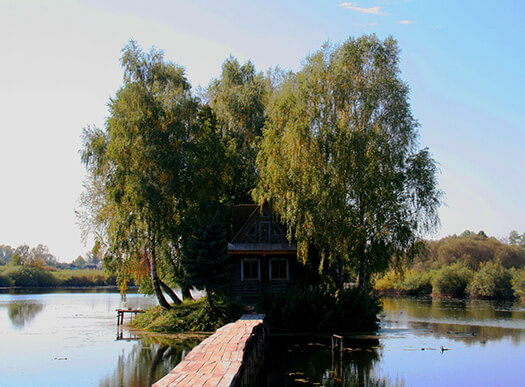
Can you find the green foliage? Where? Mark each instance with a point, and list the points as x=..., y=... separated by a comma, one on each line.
x=451, y=280
x=83, y=278
x=411, y=282
x=470, y=248
x=390, y=282
x=160, y=159
x=491, y=281
x=29, y=276
x=35, y=276
x=518, y=283
x=79, y=262
x=237, y=98
x=340, y=162
x=190, y=316
x=6, y=281
x=317, y=310
x=205, y=257
x=417, y=284
x=516, y=239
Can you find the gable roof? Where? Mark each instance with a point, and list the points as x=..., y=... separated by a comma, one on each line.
x=245, y=216
x=241, y=214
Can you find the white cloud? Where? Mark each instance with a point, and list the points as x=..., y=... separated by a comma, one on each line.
x=407, y=22
x=354, y=7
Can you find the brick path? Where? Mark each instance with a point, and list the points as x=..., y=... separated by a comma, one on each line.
x=217, y=360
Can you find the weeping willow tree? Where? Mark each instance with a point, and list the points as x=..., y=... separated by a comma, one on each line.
x=238, y=99
x=147, y=174
x=341, y=163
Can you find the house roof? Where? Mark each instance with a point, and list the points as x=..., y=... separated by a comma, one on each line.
x=241, y=215
x=245, y=215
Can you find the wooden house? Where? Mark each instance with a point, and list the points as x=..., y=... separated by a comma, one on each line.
x=261, y=256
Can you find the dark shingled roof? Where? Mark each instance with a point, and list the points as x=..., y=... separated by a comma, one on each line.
x=241, y=214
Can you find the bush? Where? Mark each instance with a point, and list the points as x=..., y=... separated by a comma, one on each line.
x=30, y=276
x=390, y=282
x=451, y=280
x=411, y=282
x=518, y=284
x=491, y=281
x=318, y=310
x=83, y=278
x=190, y=316
x=5, y=281
x=416, y=283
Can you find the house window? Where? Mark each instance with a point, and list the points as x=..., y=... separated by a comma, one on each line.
x=250, y=269
x=279, y=269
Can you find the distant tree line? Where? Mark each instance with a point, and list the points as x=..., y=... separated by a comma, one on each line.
x=40, y=256
x=471, y=264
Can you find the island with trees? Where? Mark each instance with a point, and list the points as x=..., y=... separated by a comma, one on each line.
x=331, y=149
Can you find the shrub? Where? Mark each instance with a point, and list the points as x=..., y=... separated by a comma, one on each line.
x=411, y=282
x=518, y=284
x=83, y=278
x=417, y=283
x=317, y=310
x=190, y=316
x=5, y=281
x=30, y=276
x=491, y=281
x=451, y=280
x=390, y=282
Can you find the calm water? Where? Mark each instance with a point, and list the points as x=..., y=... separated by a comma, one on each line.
x=483, y=342
x=71, y=339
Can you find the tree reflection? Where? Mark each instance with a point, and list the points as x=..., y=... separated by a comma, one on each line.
x=150, y=359
x=22, y=313
x=295, y=361
x=469, y=321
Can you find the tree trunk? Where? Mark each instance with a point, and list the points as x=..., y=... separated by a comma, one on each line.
x=176, y=300
x=186, y=294
x=362, y=271
x=155, y=278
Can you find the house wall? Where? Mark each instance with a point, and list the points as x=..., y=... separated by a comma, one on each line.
x=253, y=288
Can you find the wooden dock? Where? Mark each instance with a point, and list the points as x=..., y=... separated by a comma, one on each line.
x=132, y=312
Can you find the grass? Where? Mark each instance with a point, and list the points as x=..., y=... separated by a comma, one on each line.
x=190, y=316
x=34, y=276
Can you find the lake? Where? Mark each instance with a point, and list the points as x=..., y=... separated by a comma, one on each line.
x=71, y=339
x=421, y=343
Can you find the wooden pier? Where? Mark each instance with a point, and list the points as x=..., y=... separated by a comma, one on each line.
x=132, y=312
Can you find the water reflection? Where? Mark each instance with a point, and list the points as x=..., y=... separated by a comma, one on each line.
x=421, y=342
x=299, y=361
x=150, y=359
x=469, y=321
x=22, y=313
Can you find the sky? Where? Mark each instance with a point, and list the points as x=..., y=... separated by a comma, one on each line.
x=59, y=66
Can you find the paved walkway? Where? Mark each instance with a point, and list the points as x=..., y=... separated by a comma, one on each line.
x=218, y=359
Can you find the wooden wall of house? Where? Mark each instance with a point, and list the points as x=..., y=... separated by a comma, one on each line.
x=254, y=288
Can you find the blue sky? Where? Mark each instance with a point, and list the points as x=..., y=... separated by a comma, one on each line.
x=59, y=66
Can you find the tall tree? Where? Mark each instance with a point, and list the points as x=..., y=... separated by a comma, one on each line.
x=238, y=98
x=137, y=167
x=160, y=168
x=340, y=160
